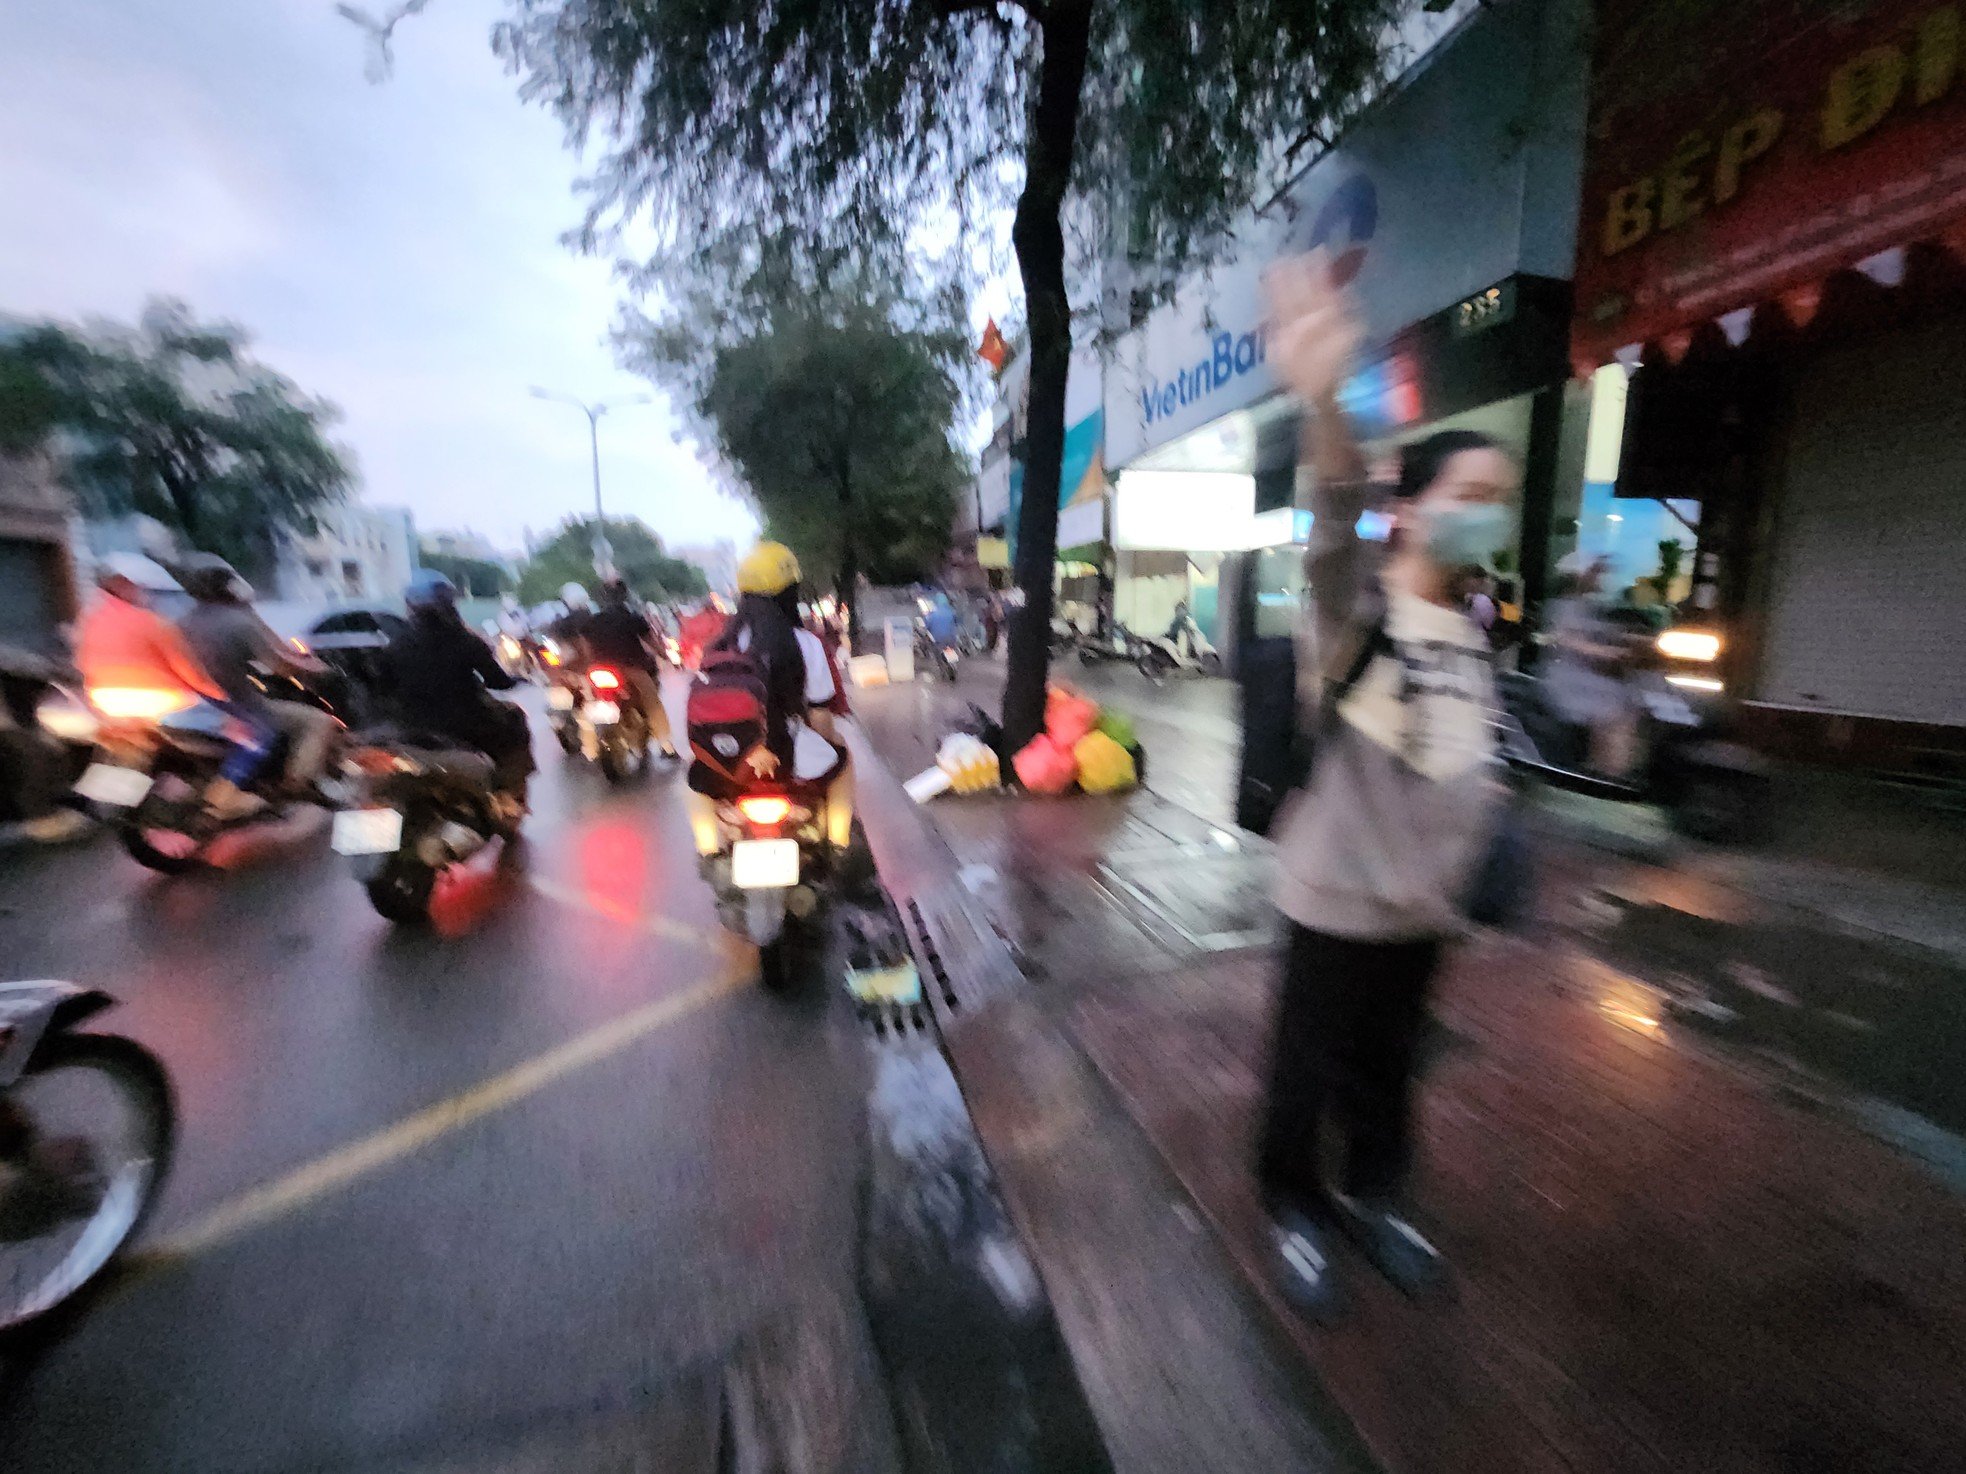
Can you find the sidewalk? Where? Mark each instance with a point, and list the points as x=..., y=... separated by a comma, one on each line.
x=1670, y=1257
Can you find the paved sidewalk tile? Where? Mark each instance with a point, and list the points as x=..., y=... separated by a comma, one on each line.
x=1667, y=1258
x=1663, y=1263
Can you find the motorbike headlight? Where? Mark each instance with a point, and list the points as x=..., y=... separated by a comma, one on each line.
x=1700, y=646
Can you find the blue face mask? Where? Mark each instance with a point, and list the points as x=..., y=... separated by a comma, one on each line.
x=1463, y=533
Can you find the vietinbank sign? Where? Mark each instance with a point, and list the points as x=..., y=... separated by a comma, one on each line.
x=1343, y=226
x=1464, y=175
x=1227, y=358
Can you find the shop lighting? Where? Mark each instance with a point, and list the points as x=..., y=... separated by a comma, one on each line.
x=1696, y=645
x=1698, y=683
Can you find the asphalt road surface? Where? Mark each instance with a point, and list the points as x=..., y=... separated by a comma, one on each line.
x=509, y=1194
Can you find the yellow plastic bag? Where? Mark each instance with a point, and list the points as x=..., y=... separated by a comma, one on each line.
x=1104, y=766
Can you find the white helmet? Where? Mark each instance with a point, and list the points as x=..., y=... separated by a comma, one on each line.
x=574, y=595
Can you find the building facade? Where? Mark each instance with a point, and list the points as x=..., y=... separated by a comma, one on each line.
x=1774, y=226
x=1449, y=210
x=356, y=554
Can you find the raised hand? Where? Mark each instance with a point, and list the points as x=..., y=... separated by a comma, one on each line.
x=1314, y=329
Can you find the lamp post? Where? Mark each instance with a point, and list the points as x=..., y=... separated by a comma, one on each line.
x=603, y=550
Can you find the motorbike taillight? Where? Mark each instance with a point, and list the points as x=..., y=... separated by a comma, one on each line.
x=767, y=811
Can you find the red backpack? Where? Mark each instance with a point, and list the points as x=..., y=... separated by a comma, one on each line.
x=726, y=717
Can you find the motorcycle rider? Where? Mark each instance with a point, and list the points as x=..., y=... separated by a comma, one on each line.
x=121, y=641
x=439, y=675
x=619, y=635
x=799, y=691
x=230, y=640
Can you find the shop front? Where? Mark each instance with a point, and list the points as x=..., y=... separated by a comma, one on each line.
x=1449, y=210
x=1771, y=251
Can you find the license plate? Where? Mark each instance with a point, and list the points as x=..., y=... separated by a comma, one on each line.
x=122, y=788
x=368, y=832
x=560, y=698
x=603, y=713
x=765, y=864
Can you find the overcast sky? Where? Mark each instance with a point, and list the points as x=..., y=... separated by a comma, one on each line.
x=394, y=248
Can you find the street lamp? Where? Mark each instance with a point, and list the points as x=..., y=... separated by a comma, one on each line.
x=603, y=551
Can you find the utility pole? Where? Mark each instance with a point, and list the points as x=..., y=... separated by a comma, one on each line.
x=603, y=550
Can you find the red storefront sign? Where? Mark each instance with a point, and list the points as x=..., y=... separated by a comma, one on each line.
x=1742, y=148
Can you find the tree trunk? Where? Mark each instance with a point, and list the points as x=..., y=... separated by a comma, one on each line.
x=847, y=586
x=1040, y=242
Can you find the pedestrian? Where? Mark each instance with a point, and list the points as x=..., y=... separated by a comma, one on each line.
x=1590, y=659
x=1376, y=852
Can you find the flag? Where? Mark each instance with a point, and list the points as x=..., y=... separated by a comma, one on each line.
x=993, y=350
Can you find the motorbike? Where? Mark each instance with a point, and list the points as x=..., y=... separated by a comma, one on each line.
x=1119, y=644
x=1710, y=787
x=157, y=753
x=768, y=872
x=936, y=657
x=593, y=713
x=88, y=1127
x=1183, y=649
x=417, y=804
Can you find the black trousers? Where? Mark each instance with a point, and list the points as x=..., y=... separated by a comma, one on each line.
x=1348, y=1024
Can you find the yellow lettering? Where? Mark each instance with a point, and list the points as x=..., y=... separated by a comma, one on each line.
x=1861, y=92
x=1936, y=57
x=1628, y=216
x=1679, y=198
x=1745, y=142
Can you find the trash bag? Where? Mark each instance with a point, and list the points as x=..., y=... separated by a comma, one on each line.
x=1068, y=716
x=1046, y=767
x=971, y=765
x=1118, y=726
x=1104, y=765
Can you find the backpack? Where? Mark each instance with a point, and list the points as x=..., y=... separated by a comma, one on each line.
x=1276, y=750
x=727, y=714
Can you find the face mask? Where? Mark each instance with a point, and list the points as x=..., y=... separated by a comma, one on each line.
x=1464, y=533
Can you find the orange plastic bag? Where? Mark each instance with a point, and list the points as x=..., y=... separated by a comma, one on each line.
x=1068, y=716
x=1045, y=767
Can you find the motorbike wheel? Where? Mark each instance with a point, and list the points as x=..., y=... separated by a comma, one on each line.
x=401, y=890
x=627, y=754
x=1211, y=663
x=159, y=836
x=1155, y=665
x=129, y=1194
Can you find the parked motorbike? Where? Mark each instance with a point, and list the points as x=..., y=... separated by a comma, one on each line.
x=87, y=1131
x=158, y=752
x=417, y=805
x=767, y=874
x=936, y=657
x=1118, y=644
x=594, y=714
x=1184, y=649
x=1710, y=787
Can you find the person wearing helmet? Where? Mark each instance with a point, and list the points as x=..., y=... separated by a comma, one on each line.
x=439, y=674
x=799, y=688
x=231, y=642
x=620, y=636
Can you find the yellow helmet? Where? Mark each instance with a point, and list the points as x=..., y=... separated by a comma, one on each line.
x=767, y=569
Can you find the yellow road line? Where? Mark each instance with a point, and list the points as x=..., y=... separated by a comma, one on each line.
x=655, y=925
x=337, y=1169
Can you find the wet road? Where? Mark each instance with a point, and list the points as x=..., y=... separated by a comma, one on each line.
x=525, y=1185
